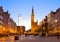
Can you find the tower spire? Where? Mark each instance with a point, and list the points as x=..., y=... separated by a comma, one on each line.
x=32, y=15
x=32, y=10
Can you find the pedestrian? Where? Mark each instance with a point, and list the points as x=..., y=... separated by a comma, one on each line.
x=57, y=35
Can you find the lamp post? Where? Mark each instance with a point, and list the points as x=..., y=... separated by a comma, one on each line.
x=42, y=28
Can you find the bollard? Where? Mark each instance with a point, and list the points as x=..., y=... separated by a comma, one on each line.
x=16, y=37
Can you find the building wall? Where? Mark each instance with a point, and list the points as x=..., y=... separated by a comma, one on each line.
x=21, y=29
x=4, y=20
x=51, y=20
x=34, y=27
x=4, y=16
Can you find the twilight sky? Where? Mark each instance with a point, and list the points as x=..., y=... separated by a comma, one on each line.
x=23, y=8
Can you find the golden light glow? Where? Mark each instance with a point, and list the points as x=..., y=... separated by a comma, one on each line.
x=4, y=29
x=56, y=20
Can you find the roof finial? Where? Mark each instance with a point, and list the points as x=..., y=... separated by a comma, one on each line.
x=32, y=10
x=1, y=9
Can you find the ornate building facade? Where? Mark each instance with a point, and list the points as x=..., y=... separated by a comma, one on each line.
x=6, y=23
x=53, y=20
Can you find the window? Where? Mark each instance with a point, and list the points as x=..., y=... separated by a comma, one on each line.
x=1, y=17
x=1, y=22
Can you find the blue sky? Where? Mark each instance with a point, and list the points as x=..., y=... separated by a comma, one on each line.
x=23, y=8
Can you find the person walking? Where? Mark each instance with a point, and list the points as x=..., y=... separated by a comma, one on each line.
x=57, y=35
